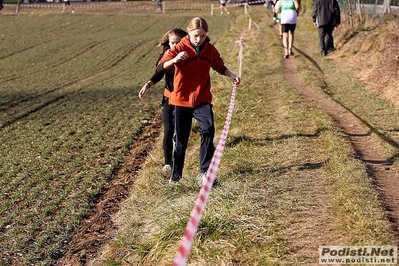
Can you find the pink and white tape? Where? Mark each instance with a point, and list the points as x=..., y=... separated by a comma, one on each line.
x=196, y=214
x=129, y=5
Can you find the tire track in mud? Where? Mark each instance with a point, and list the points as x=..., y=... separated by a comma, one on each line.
x=50, y=67
x=97, y=227
x=23, y=50
x=365, y=140
x=55, y=95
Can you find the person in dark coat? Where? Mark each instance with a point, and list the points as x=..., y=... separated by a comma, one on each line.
x=159, y=5
x=326, y=16
x=168, y=41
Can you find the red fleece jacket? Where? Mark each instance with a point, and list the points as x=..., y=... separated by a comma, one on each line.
x=192, y=82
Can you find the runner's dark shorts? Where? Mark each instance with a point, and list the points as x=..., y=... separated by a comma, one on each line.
x=288, y=27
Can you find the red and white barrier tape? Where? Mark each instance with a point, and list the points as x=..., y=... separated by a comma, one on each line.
x=129, y=5
x=196, y=214
x=247, y=3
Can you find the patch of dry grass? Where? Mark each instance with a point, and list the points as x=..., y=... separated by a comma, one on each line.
x=375, y=60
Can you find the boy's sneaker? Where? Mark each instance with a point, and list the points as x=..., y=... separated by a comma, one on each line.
x=167, y=168
x=201, y=178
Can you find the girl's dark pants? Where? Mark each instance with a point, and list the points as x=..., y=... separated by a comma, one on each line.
x=168, y=130
x=183, y=122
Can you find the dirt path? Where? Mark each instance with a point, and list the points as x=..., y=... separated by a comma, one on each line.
x=366, y=144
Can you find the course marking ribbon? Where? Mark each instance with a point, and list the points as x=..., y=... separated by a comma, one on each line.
x=196, y=214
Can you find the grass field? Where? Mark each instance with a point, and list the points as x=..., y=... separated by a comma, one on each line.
x=69, y=111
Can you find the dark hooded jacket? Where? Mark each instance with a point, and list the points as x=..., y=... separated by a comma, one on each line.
x=326, y=13
x=169, y=75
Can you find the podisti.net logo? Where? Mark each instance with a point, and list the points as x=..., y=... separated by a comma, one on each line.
x=358, y=255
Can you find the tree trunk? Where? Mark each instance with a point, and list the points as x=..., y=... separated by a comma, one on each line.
x=18, y=4
x=386, y=7
x=359, y=9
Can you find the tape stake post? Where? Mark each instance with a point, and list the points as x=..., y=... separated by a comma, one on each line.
x=196, y=214
x=240, y=56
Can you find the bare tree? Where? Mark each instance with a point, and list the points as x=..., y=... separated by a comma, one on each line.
x=386, y=6
x=18, y=5
x=359, y=8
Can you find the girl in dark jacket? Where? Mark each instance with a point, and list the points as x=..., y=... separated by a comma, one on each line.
x=168, y=41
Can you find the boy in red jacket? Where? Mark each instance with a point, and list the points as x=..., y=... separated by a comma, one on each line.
x=193, y=58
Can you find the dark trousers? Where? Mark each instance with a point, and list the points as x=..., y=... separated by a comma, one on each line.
x=326, y=38
x=183, y=122
x=168, y=130
x=269, y=5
